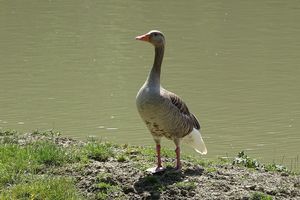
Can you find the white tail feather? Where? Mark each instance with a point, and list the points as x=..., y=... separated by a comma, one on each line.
x=195, y=140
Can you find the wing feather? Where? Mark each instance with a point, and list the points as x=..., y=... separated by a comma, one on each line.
x=182, y=107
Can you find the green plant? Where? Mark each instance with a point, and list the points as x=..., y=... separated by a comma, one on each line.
x=15, y=161
x=276, y=167
x=49, y=133
x=260, y=196
x=122, y=158
x=105, y=190
x=245, y=160
x=48, y=153
x=187, y=185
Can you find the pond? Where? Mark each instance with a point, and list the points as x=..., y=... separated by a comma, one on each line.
x=74, y=66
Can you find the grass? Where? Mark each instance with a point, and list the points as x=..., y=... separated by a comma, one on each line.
x=98, y=151
x=17, y=160
x=25, y=166
x=260, y=196
x=106, y=185
x=186, y=185
x=49, y=153
x=244, y=160
x=106, y=189
x=20, y=166
x=54, y=188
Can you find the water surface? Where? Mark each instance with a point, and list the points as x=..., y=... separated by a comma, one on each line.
x=74, y=66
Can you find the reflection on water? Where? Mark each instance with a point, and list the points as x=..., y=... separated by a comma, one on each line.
x=75, y=66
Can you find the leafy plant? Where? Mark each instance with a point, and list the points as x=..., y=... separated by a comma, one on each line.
x=245, y=160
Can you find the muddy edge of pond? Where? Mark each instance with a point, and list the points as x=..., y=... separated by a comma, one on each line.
x=122, y=175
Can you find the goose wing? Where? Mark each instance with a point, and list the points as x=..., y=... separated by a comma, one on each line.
x=183, y=109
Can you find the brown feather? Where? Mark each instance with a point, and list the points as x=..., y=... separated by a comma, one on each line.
x=179, y=103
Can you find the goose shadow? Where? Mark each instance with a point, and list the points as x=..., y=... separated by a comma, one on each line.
x=152, y=185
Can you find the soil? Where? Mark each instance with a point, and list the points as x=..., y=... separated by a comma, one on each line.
x=226, y=181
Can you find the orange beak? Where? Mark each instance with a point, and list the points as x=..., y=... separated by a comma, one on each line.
x=144, y=37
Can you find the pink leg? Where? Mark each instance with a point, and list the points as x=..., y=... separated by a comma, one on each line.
x=159, y=166
x=178, y=163
x=158, y=156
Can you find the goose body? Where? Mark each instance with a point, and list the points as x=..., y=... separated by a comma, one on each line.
x=164, y=113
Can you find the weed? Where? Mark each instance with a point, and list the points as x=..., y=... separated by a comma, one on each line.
x=276, y=167
x=245, y=160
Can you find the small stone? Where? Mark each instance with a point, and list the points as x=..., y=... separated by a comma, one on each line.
x=251, y=187
x=192, y=193
x=146, y=194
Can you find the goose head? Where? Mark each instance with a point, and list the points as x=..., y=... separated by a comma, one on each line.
x=155, y=37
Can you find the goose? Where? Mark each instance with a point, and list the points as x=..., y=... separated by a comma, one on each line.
x=164, y=113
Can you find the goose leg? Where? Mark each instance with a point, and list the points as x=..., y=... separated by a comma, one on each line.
x=158, y=156
x=178, y=163
x=159, y=167
x=177, y=151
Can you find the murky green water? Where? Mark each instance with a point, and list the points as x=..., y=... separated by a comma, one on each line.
x=74, y=66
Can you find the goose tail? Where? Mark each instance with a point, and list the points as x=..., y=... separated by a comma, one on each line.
x=195, y=140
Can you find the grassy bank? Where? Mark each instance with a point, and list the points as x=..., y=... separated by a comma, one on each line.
x=44, y=165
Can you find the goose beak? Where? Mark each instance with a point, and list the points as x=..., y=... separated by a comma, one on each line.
x=144, y=37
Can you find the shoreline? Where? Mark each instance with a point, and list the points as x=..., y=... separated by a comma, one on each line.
x=41, y=164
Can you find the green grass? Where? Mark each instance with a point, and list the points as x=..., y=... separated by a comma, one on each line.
x=99, y=151
x=106, y=189
x=49, y=153
x=186, y=185
x=122, y=158
x=22, y=166
x=48, y=188
x=16, y=160
x=244, y=160
x=106, y=185
x=260, y=196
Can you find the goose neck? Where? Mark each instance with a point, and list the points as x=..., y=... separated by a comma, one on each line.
x=154, y=76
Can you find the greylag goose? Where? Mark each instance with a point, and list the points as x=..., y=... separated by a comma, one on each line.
x=163, y=112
